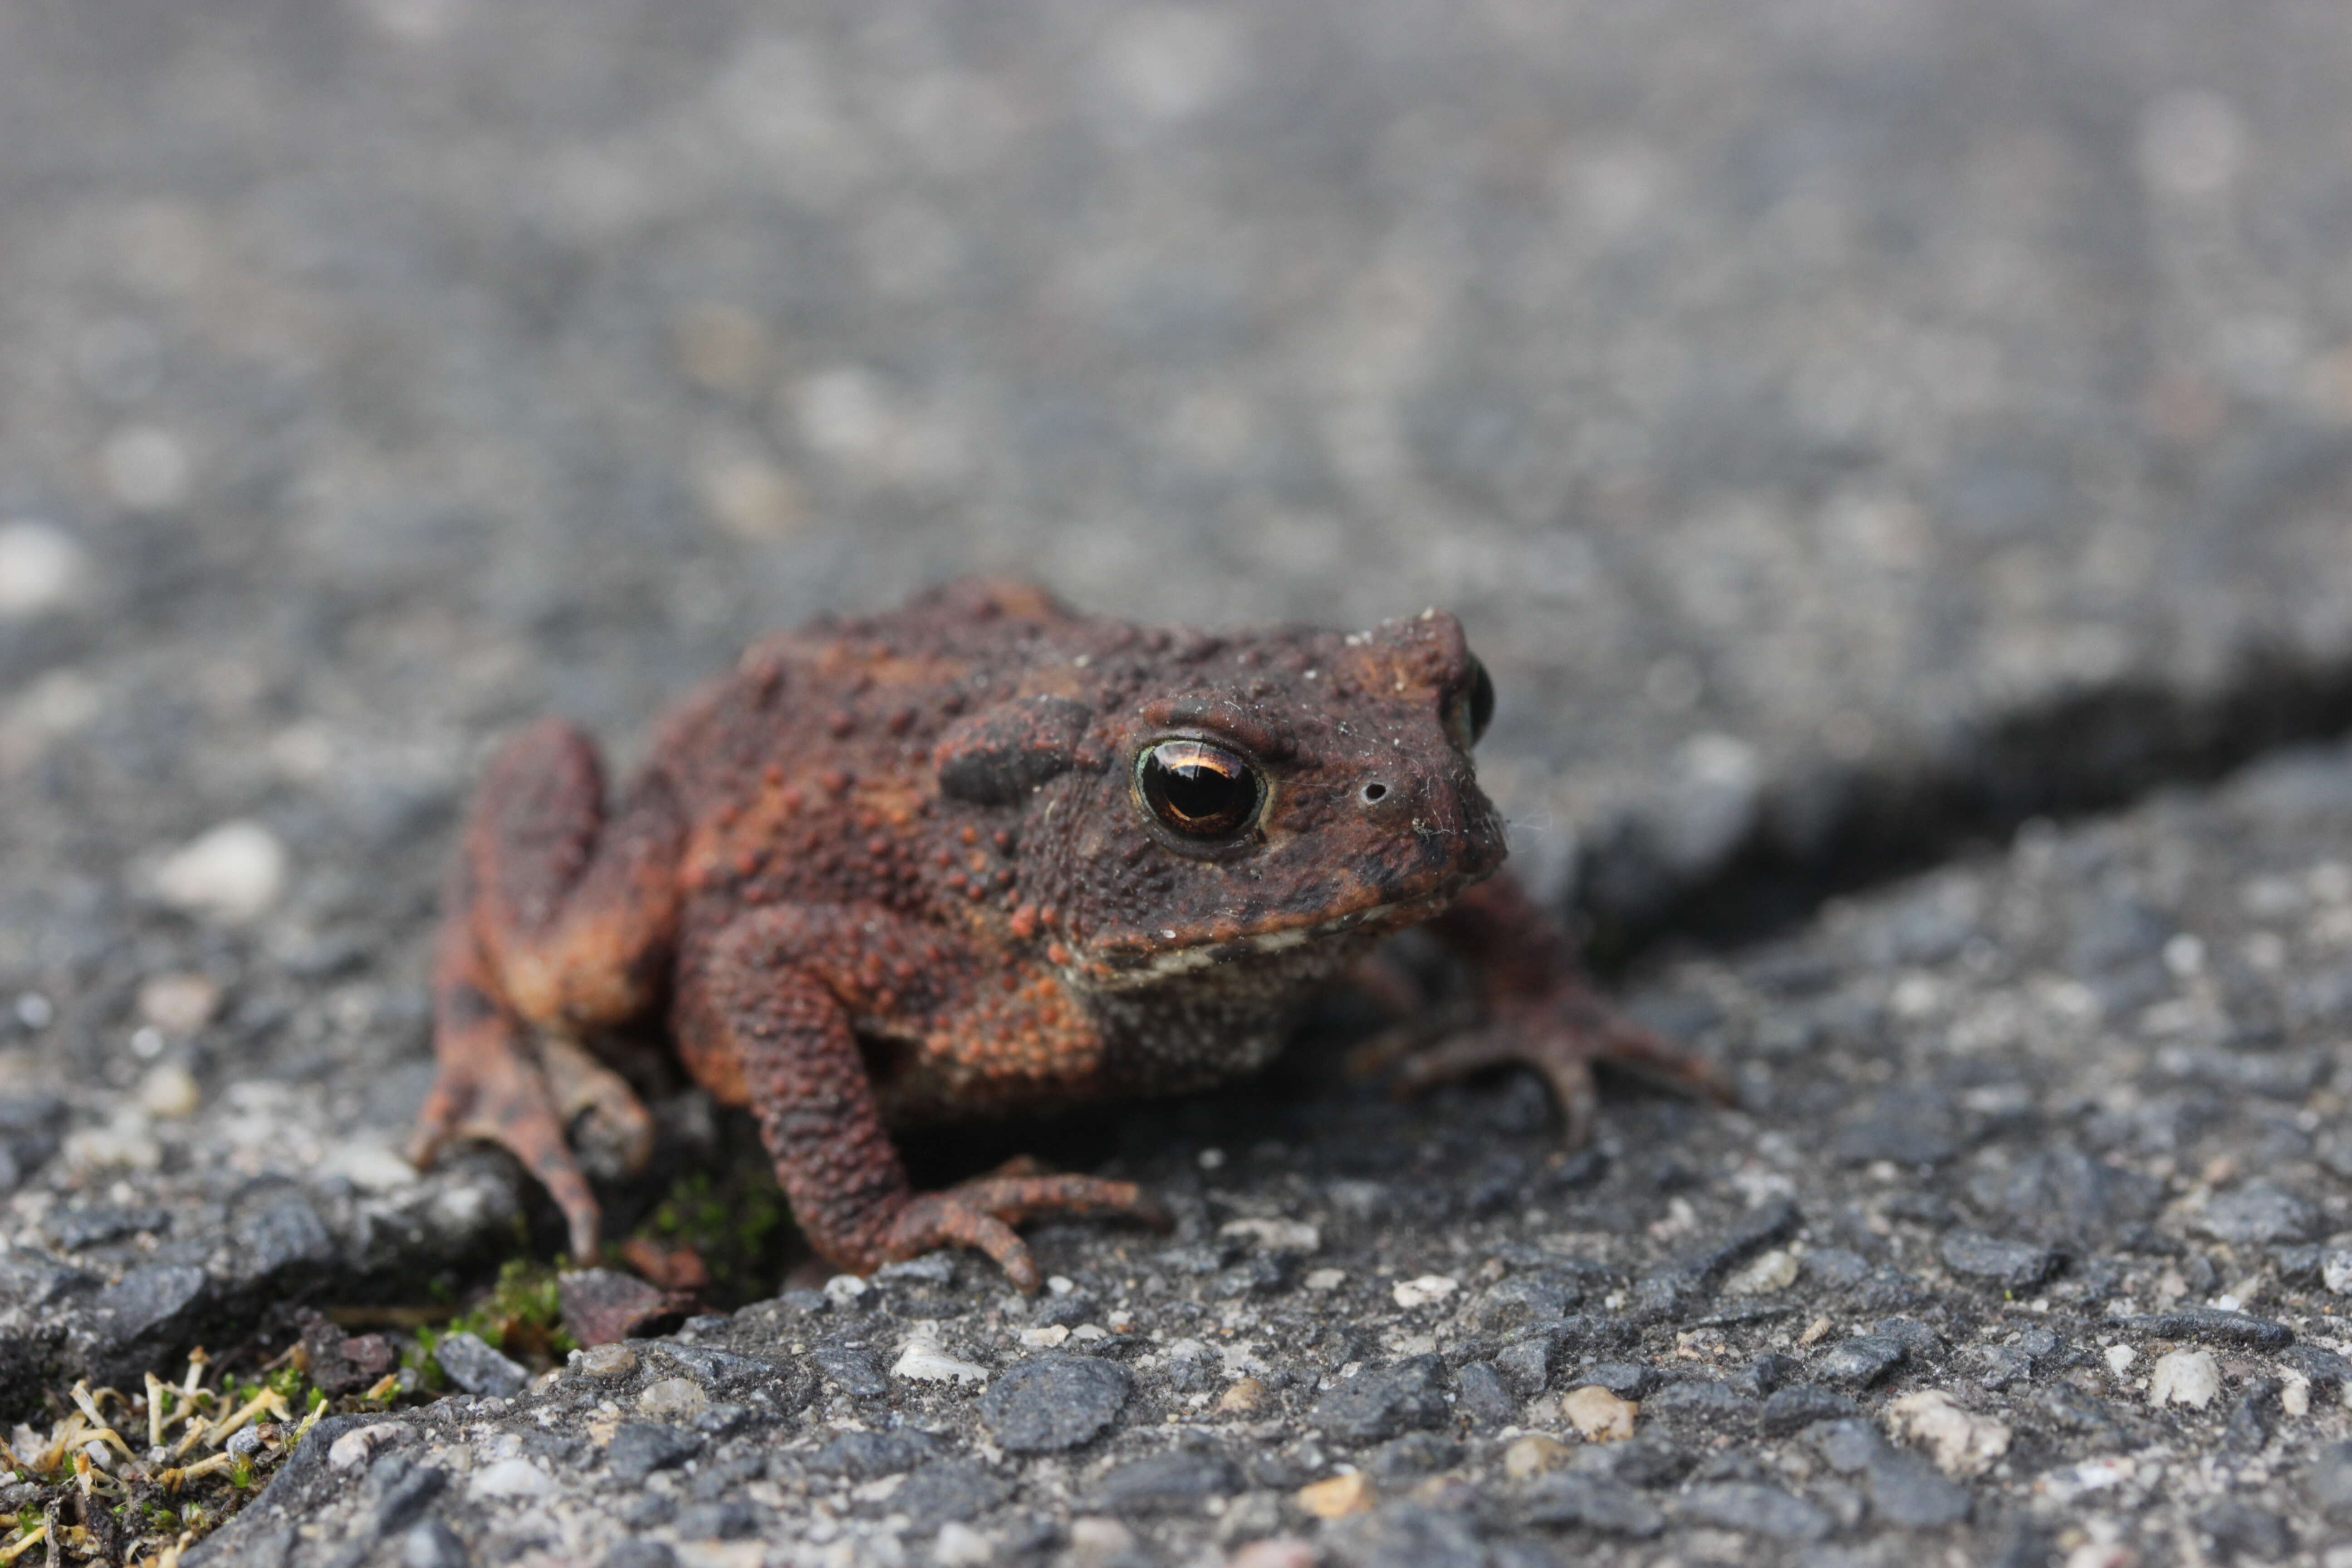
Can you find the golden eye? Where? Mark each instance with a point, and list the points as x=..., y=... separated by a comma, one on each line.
x=1199, y=790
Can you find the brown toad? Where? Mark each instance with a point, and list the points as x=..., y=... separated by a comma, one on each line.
x=979, y=856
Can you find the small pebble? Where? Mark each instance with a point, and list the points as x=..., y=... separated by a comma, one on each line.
x=1423, y=1291
x=1245, y=1398
x=923, y=1361
x=1599, y=1415
x=517, y=1477
x=607, y=1360
x=41, y=568
x=1099, y=1542
x=2119, y=1359
x=2185, y=1377
x=1274, y=1235
x=1279, y=1552
x=1322, y=1279
x=1962, y=1443
x=1774, y=1271
x=674, y=1399
x=169, y=1092
x=959, y=1545
x=178, y=1003
x=1533, y=1455
x=1339, y=1497
x=235, y=874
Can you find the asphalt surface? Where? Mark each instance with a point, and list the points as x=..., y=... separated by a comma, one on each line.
x=1852, y=432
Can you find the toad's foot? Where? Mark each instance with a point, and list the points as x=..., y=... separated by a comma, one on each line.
x=502, y=1093
x=1560, y=1037
x=981, y=1214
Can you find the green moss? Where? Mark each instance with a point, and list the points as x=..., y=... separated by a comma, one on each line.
x=522, y=1317
x=737, y=1221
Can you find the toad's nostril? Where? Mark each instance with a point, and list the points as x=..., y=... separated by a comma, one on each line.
x=1374, y=793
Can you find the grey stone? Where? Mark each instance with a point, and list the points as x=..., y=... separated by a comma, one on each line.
x=864, y=1456
x=1402, y=1460
x=2258, y=1214
x=1051, y=1403
x=77, y=1230
x=1403, y=1535
x=851, y=1368
x=1480, y=1393
x=1377, y=1403
x=433, y=1544
x=1859, y=1361
x=2212, y=1326
x=1524, y=1299
x=1906, y=1126
x=640, y=1447
x=2060, y=1194
x=1181, y=1479
x=640, y=1554
x=1850, y=1446
x=1526, y=1365
x=1625, y=1379
x=1647, y=1459
x=2012, y=1265
x=2331, y=1481
x=279, y=1243
x=405, y=1503
x=1701, y=1402
x=1761, y=1509
x=1594, y=1502
x=475, y=1367
x=1800, y=1406
x=2240, y=1530
x=949, y=1491
x=1906, y=1490
x=729, y=1519
x=1676, y=1288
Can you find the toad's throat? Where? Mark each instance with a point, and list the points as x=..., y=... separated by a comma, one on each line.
x=1131, y=970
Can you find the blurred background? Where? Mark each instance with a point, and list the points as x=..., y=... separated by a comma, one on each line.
x=1845, y=425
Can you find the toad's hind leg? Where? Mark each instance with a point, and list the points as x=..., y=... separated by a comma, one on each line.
x=556, y=922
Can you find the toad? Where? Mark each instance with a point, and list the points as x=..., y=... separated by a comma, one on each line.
x=980, y=856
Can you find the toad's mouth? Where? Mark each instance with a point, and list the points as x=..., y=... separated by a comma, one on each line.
x=1135, y=962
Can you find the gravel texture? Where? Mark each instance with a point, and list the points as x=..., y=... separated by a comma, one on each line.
x=1851, y=432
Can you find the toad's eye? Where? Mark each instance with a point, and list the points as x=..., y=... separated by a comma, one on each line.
x=1199, y=790
x=1474, y=708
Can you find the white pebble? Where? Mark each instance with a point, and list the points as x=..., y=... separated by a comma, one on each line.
x=147, y=469
x=1962, y=1443
x=961, y=1546
x=2336, y=1271
x=924, y=1362
x=1422, y=1292
x=2120, y=1358
x=2185, y=1377
x=1275, y=1234
x=169, y=1092
x=233, y=873
x=1321, y=1279
x=355, y=1448
x=516, y=1477
x=1767, y=1275
x=40, y=569
x=676, y=1398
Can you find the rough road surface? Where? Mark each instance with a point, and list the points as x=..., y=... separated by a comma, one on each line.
x=1854, y=430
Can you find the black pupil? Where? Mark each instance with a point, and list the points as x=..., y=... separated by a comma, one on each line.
x=1482, y=698
x=1198, y=789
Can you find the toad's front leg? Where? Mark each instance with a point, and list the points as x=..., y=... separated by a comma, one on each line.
x=768, y=1015
x=1541, y=1014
